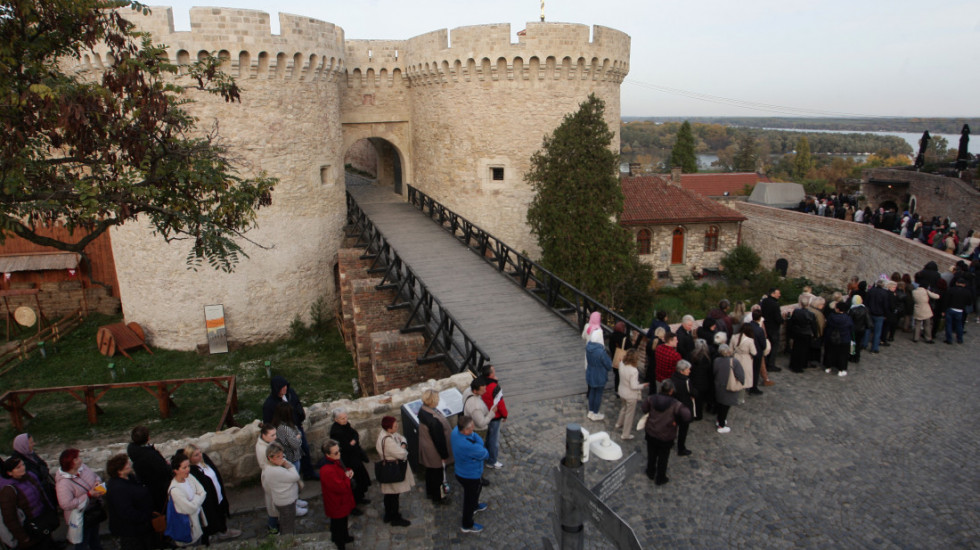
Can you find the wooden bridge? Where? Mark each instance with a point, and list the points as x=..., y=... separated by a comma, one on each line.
x=537, y=355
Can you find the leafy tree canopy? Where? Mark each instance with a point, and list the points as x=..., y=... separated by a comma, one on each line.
x=94, y=151
x=574, y=213
x=682, y=156
x=745, y=156
x=803, y=161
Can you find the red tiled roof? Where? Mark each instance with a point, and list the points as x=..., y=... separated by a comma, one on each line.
x=651, y=200
x=715, y=185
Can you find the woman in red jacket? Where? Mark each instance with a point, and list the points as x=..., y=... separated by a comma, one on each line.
x=338, y=498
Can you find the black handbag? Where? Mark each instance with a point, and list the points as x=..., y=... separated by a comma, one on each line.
x=390, y=471
x=94, y=511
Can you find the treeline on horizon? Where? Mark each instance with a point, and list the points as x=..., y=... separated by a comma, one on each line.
x=654, y=138
x=883, y=124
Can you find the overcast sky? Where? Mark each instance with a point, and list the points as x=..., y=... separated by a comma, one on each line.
x=789, y=58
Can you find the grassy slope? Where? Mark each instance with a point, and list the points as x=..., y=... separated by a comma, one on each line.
x=317, y=364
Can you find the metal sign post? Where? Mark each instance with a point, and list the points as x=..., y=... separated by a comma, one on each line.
x=576, y=501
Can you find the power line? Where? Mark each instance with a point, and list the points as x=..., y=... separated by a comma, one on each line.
x=745, y=104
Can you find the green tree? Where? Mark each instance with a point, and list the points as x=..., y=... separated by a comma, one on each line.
x=100, y=150
x=803, y=161
x=745, y=156
x=682, y=155
x=576, y=207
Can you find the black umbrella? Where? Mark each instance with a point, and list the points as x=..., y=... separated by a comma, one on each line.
x=963, y=156
x=920, y=160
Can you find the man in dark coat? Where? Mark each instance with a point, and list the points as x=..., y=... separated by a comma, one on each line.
x=878, y=304
x=772, y=316
x=282, y=391
x=152, y=470
x=686, y=393
x=129, y=505
x=686, y=335
x=759, y=338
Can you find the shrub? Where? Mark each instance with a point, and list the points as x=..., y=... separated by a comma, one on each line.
x=740, y=263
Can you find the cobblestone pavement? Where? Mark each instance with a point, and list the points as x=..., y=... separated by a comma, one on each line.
x=884, y=458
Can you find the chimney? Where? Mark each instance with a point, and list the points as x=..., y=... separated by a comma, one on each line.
x=675, y=176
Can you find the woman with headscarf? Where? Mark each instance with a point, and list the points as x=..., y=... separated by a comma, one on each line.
x=597, y=367
x=618, y=339
x=24, y=450
x=351, y=453
x=21, y=493
x=78, y=487
x=392, y=445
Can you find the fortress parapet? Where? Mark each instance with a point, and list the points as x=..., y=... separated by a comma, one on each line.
x=544, y=51
x=305, y=50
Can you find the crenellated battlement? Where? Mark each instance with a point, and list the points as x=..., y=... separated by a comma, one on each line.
x=544, y=51
x=305, y=50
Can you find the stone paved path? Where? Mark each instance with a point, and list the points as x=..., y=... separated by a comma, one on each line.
x=885, y=458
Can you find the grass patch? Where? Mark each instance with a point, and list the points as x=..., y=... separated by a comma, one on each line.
x=314, y=360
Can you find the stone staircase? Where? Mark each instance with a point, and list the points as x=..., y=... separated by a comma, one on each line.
x=678, y=272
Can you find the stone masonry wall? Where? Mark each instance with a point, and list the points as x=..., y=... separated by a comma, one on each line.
x=350, y=267
x=451, y=113
x=363, y=156
x=287, y=125
x=61, y=298
x=695, y=256
x=233, y=450
x=487, y=103
x=934, y=195
x=830, y=251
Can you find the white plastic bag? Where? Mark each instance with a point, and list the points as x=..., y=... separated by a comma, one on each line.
x=76, y=523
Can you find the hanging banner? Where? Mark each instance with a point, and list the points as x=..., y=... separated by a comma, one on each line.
x=214, y=320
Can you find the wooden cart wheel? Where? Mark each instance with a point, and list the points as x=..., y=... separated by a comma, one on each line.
x=106, y=342
x=136, y=328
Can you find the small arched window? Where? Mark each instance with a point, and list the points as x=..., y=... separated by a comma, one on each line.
x=711, y=239
x=643, y=241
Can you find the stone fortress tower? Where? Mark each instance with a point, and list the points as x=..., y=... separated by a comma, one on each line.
x=456, y=114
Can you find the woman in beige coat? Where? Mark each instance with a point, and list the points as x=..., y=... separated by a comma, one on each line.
x=743, y=344
x=922, y=312
x=435, y=449
x=392, y=445
x=631, y=391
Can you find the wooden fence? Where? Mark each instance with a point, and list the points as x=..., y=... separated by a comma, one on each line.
x=15, y=400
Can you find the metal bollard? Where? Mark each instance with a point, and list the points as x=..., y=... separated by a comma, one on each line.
x=572, y=530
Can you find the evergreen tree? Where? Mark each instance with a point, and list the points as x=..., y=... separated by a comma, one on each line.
x=803, y=162
x=575, y=211
x=682, y=155
x=746, y=155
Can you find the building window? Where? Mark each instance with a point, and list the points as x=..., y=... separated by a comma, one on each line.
x=497, y=173
x=643, y=241
x=711, y=239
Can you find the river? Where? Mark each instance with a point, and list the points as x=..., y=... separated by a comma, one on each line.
x=953, y=140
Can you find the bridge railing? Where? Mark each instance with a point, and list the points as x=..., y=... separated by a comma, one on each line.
x=568, y=302
x=447, y=341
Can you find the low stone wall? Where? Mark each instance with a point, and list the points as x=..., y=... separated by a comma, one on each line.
x=830, y=251
x=233, y=450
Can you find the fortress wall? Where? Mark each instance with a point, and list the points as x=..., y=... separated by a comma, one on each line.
x=485, y=102
x=288, y=127
x=830, y=251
